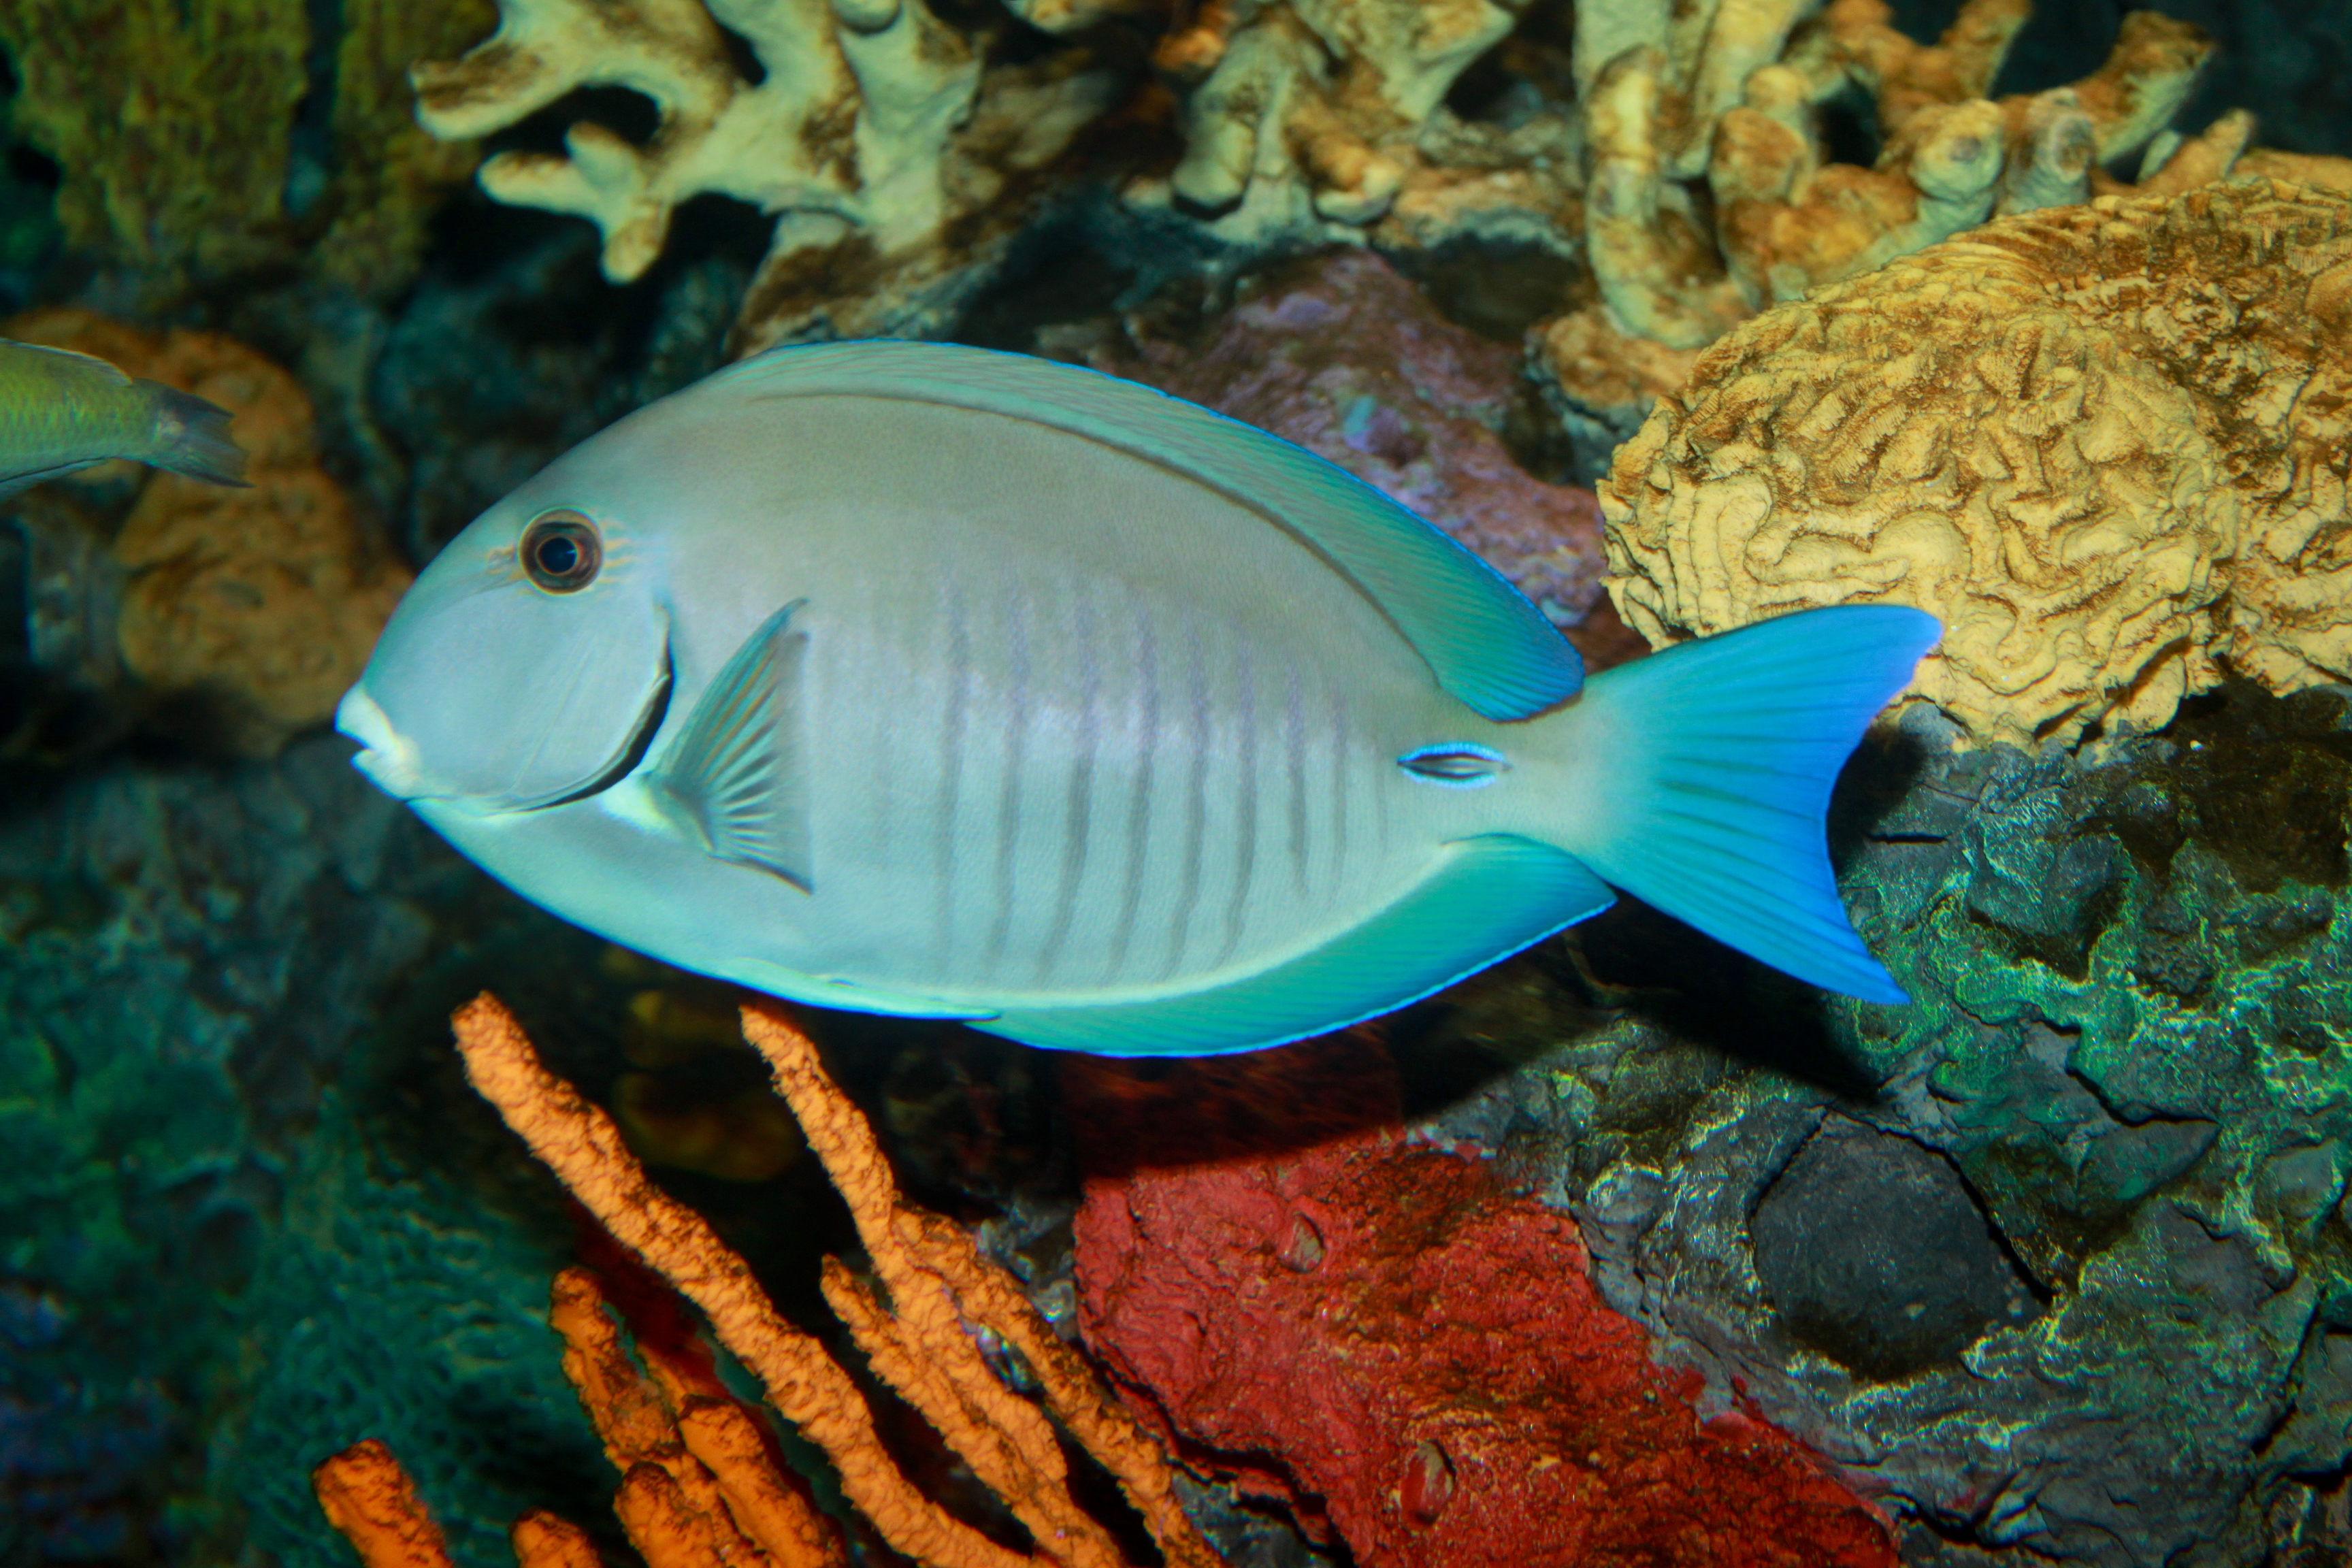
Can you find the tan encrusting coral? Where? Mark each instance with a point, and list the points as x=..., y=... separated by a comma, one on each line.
x=696, y=1474
x=2106, y=444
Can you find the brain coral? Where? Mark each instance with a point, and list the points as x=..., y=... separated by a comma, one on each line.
x=2106, y=443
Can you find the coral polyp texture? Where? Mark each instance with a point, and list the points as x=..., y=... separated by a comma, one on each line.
x=2105, y=444
x=1713, y=192
x=870, y=130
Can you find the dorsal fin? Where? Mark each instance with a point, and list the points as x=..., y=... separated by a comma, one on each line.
x=1485, y=643
x=737, y=771
x=105, y=371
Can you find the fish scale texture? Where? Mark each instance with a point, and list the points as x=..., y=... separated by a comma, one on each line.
x=1415, y=1360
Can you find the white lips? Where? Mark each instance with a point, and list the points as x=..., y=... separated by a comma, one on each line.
x=386, y=756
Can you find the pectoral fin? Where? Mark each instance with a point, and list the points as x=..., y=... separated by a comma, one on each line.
x=737, y=771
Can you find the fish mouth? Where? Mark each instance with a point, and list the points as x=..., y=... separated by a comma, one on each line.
x=388, y=757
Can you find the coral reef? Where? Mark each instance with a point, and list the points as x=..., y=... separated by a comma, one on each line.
x=936, y=1283
x=183, y=154
x=1729, y=96
x=701, y=1484
x=902, y=162
x=1306, y=121
x=253, y=607
x=1408, y=1355
x=2105, y=444
x=1347, y=358
x=701, y=1479
x=873, y=133
x=2055, y=1257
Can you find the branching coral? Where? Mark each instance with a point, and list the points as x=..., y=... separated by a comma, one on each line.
x=175, y=126
x=2106, y=444
x=1300, y=109
x=1318, y=121
x=870, y=133
x=1726, y=101
x=938, y=1289
x=897, y=164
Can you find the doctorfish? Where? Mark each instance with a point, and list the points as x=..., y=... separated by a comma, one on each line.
x=941, y=682
x=60, y=411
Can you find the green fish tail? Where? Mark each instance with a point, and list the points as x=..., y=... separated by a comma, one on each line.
x=192, y=436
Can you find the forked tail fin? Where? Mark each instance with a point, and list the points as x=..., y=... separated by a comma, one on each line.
x=192, y=436
x=1712, y=763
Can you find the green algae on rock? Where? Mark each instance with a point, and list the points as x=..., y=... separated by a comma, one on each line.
x=2129, y=1061
x=209, y=138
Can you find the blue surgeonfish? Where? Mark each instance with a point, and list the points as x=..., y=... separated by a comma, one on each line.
x=934, y=681
x=60, y=411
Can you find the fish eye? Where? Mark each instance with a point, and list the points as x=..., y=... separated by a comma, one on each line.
x=560, y=552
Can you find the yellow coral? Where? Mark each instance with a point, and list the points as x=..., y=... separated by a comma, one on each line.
x=2105, y=444
x=172, y=122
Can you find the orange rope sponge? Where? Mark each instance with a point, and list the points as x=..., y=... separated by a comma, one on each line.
x=683, y=1443
x=544, y=1541
x=698, y=1483
x=938, y=1282
x=369, y=1498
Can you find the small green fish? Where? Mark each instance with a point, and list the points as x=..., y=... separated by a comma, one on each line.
x=60, y=411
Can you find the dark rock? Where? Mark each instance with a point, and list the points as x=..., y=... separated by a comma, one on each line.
x=1874, y=1253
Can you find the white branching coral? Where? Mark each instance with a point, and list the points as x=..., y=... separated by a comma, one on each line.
x=1712, y=194
x=1319, y=120
x=866, y=132
x=1301, y=99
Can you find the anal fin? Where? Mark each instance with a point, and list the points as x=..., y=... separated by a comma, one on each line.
x=1490, y=897
x=738, y=770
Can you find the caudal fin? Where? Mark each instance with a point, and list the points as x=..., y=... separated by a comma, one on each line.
x=192, y=436
x=1714, y=760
